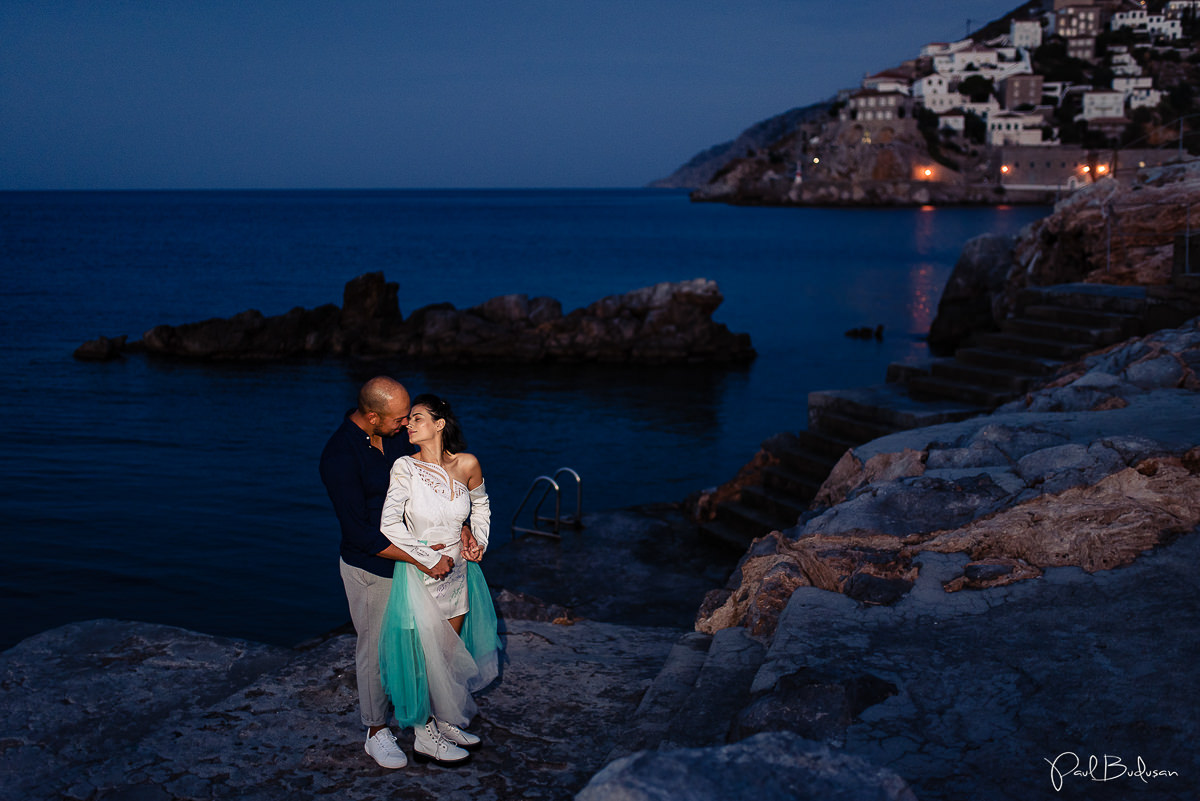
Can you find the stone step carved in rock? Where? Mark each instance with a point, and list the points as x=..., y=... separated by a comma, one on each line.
x=1033, y=346
x=1129, y=324
x=721, y=690
x=783, y=508
x=1024, y=363
x=667, y=694
x=1062, y=332
x=998, y=378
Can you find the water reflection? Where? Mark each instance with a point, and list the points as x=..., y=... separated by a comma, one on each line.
x=925, y=291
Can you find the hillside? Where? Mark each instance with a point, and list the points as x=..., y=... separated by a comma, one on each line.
x=1030, y=106
x=701, y=168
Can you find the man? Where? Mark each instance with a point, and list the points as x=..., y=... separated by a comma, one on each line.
x=355, y=467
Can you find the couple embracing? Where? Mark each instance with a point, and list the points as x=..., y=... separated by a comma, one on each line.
x=415, y=519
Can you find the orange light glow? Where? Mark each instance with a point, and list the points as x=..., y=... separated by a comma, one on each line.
x=1103, y=168
x=1004, y=169
x=1086, y=168
x=928, y=172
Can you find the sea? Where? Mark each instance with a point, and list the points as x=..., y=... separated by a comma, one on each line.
x=188, y=494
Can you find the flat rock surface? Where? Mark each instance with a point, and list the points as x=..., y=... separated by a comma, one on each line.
x=996, y=685
x=118, y=710
x=123, y=710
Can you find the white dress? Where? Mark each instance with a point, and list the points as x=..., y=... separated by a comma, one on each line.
x=426, y=507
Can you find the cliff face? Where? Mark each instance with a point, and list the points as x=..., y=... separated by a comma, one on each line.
x=829, y=162
x=1126, y=232
x=704, y=165
x=1112, y=232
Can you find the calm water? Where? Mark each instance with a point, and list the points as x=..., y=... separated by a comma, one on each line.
x=188, y=494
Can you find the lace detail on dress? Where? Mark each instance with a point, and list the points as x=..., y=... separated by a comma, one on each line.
x=438, y=480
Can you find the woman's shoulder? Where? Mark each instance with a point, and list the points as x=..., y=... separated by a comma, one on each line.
x=466, y=468
x=465, y=460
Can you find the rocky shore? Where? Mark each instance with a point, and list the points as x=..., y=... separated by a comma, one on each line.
x=1000, y=608
x=668, y=323
x=1091, y=471
x=1115, y=233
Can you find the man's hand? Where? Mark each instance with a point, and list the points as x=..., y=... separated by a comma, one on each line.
x=438, y=571
x=442, y=568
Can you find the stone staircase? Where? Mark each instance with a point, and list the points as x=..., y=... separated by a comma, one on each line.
x=702, y=686
x=1052, y=326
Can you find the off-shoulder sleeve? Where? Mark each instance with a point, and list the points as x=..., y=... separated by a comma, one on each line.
x=481, y=515
x=394, y=523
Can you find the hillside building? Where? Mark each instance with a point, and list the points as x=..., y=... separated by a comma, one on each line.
x=1102, y=104
x=1138, y=91
x=1014, y=128
x=1077, y=20
x=934, y=93
x=1068, y=168
x=1022, y=90
x=1027, y=33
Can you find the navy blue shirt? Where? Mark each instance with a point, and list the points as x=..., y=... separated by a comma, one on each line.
x=356, y=478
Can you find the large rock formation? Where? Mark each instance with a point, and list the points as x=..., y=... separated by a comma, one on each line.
x=1115, y=231
x=665, y=323
x=827, y=162
x=700, y=169
x=1093, y=470
x=974, y=290
x=766, y=767
x=1125, y=232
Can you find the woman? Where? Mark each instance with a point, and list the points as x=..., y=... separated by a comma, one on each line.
x=439, y=639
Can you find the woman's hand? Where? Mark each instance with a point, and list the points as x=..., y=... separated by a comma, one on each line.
x=470, y=547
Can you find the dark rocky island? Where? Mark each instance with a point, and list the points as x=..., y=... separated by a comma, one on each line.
x=669, y=323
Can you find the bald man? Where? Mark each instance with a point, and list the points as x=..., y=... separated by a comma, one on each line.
x=355, y=467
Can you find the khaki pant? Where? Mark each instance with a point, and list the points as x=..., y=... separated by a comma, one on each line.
x=368, y=594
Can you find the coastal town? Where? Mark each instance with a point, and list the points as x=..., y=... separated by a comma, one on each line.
x=1055, y=95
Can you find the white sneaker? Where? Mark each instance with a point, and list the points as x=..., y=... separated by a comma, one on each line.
x=383, y=749
x=457, y=736
x=430, y=746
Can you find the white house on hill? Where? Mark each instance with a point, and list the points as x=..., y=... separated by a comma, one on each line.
x=1103, y=104
x=1014, y=128
x=1026, y=33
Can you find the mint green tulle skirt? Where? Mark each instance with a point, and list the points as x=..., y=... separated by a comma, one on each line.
x=426, y=667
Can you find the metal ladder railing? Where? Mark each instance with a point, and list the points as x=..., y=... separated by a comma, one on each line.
x=558, y=520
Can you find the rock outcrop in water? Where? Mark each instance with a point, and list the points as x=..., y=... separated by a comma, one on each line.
x=662, y=324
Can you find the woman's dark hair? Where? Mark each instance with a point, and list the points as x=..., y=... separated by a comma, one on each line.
x=452, y=436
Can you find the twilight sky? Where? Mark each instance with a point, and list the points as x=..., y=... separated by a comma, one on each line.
x=121, y=94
